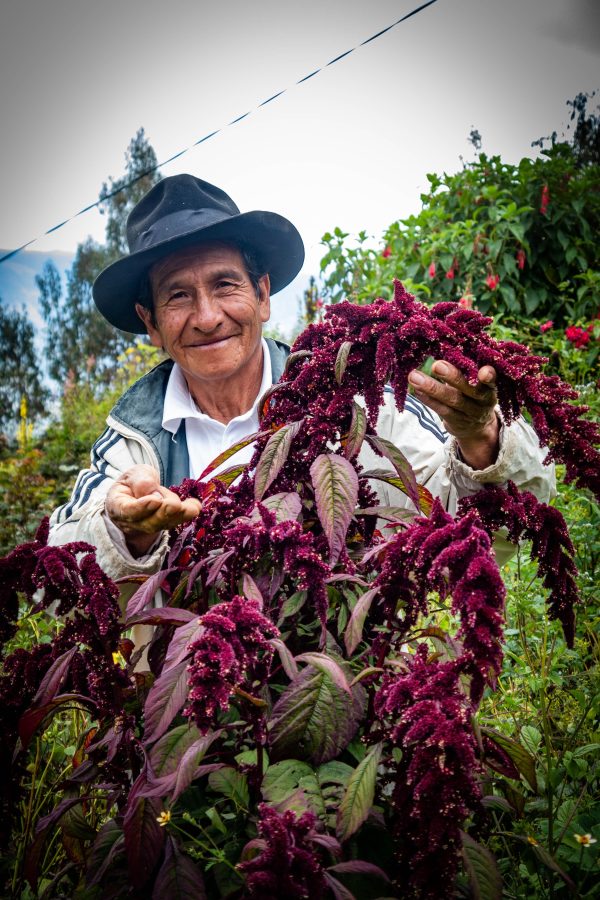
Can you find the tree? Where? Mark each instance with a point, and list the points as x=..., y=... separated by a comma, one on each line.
x=80, y=344
x=21, y=375
x=513, y=240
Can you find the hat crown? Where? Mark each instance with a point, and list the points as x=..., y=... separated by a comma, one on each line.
x=173, y=200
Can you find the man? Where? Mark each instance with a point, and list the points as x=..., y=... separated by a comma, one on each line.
x=198, y=279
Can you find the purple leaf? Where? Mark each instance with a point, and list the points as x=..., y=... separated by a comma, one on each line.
x=354, y=629
x=341, y=360
x=481, y=867
x=358, y=796
x=339, y=891
x=162, y=615
x=227, y=454
x=336, y=491
x=328, y=665
x=313, y=718
x=356, y=433
x=53, y=679
x=251, y=590
x=179, y=877
x=286, y=505
x=359, y=867
x=165, y=755
x=144, y=838
x=145, y=594
x=165, y=699
x=179, y=647
x=273, y=457
x=400, y=464
x=32, y=718
x=287, y=660
x=216, y=564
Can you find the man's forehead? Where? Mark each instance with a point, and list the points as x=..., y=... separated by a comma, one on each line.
x=199, y=255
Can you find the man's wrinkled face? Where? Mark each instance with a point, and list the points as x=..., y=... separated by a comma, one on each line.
x=207, y=315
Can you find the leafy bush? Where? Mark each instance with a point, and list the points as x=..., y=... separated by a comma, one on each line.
x=311, y=715
x=515, y=241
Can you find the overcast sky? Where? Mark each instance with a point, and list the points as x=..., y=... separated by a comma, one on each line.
x=351, y=147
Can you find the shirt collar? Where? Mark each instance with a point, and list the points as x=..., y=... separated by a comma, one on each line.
x=179, y=403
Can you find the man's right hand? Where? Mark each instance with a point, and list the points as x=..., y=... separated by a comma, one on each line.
x=142, y=508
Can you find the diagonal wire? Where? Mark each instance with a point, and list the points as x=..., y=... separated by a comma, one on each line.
x=104, y=197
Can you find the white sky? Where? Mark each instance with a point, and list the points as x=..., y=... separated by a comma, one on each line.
x=351, y=147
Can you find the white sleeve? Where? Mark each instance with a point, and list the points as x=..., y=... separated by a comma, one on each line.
x=82, y=517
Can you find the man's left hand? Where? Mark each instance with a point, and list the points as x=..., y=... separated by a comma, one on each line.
x=467, y=411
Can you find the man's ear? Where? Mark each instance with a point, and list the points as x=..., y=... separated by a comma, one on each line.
x=147, y=318
x=264, y=297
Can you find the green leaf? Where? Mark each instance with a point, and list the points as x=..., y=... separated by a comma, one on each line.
x=531, y=738
x=314, y=719
x=483, y=872
x=341, y=360
x=273, y=457
x=358, y=797
x=336, y=491
x=294, y=357
x=523, y=760
x=232, y=784
x=357, y=431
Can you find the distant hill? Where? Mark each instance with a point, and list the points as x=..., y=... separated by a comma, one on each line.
x=17, y=278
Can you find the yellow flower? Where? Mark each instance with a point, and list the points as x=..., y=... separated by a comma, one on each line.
x=532, y=840
x=584, y=839
x=164, y=818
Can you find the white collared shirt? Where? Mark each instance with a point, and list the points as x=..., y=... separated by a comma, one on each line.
x=206, y=437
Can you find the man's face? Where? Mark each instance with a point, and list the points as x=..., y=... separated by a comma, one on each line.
x=208, y=317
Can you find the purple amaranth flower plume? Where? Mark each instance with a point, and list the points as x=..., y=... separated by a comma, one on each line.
x=288, y=864
x=387, y=339
x=232, y=653
x=428, y=716
x=451, y=557
x=525, y=517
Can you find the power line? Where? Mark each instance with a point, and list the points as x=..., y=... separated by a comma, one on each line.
x=212, y=134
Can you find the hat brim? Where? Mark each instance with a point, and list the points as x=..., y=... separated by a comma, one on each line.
x=273, y=240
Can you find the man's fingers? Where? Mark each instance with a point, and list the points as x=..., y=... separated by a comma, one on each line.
x=452, y=376
x=140, y=480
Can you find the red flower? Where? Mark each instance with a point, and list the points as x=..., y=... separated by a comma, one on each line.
x=545, y=200
x=319, y=303
x=547, y=326
x=450, y=274
x=521, y=258
x=432, y=270
x=578, y=336
x=467, y=301
x=492, y=281
x=387, y=252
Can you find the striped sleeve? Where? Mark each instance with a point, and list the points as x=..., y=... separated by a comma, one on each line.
x=90, y=481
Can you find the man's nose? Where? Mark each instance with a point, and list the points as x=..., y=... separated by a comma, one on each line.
x=206, y=313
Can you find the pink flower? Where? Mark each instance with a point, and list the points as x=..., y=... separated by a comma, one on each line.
x=450, y=274
x=492, y=281
x=432, y=270
x=521, y=258
x=319, y=303
x=578, y=336
x=466, y=302
x=546, y=326
x=545, y=200
x=387, y=252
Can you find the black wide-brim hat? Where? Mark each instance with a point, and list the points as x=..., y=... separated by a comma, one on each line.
x=182, y=211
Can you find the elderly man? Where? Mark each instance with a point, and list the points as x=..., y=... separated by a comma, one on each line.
x=198, y=279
